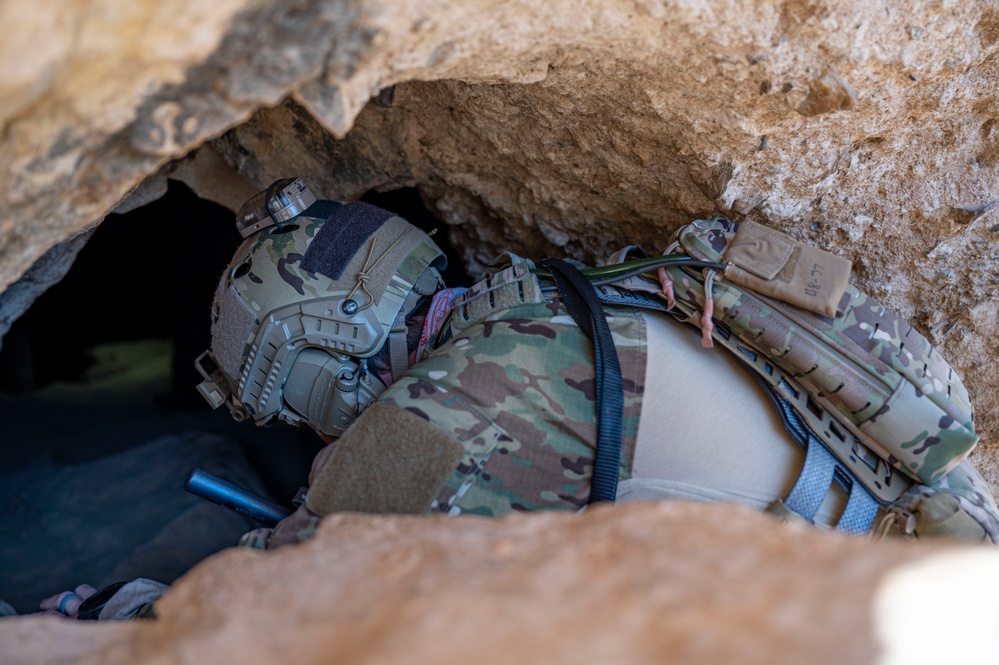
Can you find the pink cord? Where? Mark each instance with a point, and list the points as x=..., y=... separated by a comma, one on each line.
x=667, y=284
x=707, y=325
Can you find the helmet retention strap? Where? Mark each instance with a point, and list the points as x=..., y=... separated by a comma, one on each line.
x=398, y=349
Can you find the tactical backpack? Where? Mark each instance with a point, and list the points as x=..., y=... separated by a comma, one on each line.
x=877, y=408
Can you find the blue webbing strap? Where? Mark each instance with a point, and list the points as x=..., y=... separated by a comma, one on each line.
x=812, y=486
x=818, y=473
x=861, y=509
x=580, y=299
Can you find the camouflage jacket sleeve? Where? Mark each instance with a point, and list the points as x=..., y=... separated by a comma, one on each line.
x=522, y=407
x=509, y=415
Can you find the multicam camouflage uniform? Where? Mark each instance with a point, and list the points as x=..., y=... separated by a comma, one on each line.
x=514, y=387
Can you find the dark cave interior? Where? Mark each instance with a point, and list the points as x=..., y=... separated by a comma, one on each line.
x=100, y=367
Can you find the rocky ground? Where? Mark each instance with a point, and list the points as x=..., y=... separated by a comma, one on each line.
x=641, y=583
x=563, y=127
x=91, y=487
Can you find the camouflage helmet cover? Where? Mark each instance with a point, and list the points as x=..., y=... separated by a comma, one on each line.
x=338, y=280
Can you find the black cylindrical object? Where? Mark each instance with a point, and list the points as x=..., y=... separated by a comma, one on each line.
x=222, y=492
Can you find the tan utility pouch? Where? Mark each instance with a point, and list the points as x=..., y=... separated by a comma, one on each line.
x=776, y=265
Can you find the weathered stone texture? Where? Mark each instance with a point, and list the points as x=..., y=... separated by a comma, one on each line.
x=566, y=126
x=863, y=129
x=641, y=583
x=48, y=270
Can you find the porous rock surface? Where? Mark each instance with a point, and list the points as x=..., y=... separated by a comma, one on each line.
x=640, y=583
x=559, y=127
x=570, y=126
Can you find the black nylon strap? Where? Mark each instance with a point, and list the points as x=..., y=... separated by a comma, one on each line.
x=580, y=299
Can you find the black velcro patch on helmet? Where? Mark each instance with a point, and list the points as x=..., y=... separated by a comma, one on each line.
x=322, y=209
x=341, y=236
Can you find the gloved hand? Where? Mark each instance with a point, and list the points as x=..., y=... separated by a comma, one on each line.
x=66, y=604
x=297, y=527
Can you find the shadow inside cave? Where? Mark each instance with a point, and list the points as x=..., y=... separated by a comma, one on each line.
x=100, y=414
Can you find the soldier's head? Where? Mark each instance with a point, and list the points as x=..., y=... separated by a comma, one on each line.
x=309, y=322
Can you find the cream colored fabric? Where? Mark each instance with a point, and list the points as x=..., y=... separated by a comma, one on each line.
x=708, y=432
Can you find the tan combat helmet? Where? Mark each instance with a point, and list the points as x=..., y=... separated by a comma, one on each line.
x=315, y=290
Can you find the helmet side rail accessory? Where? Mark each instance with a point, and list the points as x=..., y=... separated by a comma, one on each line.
x=214, y=388
x=282, y=201
x=317, y=378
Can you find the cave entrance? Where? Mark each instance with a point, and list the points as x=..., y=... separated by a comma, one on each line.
x=100, y=413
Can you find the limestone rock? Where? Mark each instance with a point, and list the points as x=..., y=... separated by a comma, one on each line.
x=546, y=128
x=639, y=583
x=45, y=272
x=204, y=171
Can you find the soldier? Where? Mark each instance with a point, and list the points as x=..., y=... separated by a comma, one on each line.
x=310, y=326
x=487, y=401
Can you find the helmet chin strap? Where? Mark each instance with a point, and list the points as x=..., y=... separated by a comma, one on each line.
x=398, y=349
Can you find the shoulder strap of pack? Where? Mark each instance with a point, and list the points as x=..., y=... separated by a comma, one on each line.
x=884, y=381
x=584, y=307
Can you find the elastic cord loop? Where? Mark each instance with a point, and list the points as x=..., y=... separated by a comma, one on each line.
x=707, y=322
